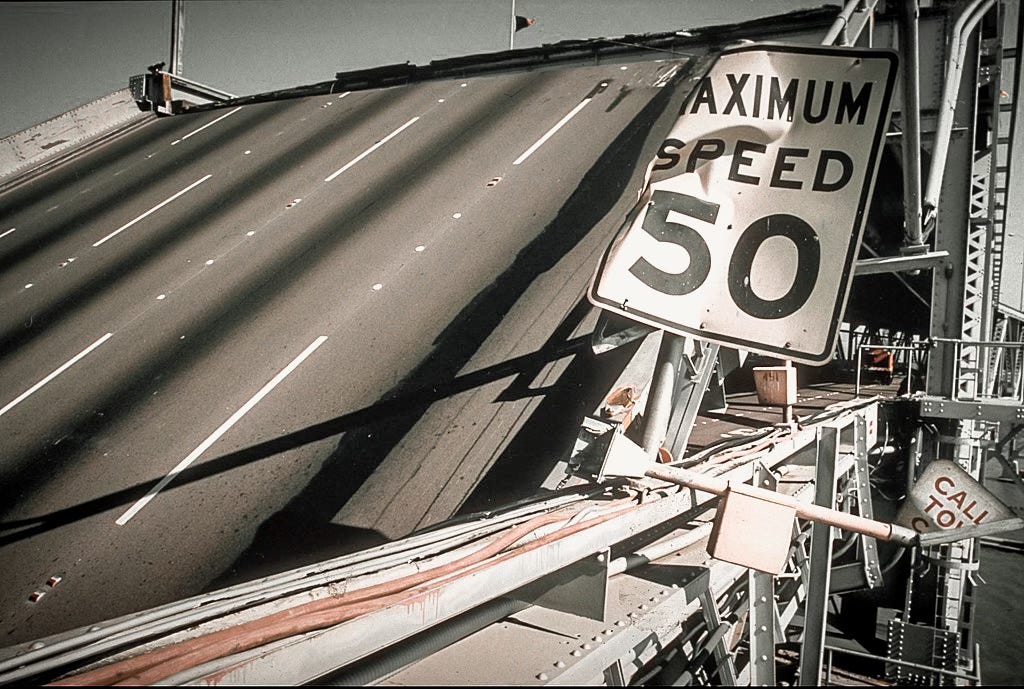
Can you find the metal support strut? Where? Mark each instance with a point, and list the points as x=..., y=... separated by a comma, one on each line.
x=663, y=385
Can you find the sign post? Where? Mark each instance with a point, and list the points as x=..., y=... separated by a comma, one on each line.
x=748, y=229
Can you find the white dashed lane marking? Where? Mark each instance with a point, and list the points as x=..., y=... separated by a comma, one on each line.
x=224, y=428
x=63, y=367
x=208, y=124
x=371, y=149
x=152, y=210
x=551, y=132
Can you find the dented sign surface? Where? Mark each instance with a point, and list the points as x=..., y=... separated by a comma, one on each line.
x=748, y=228
x=947, y=497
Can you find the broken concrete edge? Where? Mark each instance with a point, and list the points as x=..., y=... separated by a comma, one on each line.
x=30, y=151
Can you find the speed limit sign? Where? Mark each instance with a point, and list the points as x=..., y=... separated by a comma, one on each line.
x=748, y=228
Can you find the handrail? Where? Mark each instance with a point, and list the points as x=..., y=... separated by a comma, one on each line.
x=922, y=345
x=963, y=27
x=839, y=28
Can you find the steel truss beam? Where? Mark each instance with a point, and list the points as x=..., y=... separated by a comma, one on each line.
x=656, y=525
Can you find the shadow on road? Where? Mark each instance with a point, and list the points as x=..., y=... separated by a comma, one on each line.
x=381, y=412
x=302, y=532
x=239, y=301
x=552, y=426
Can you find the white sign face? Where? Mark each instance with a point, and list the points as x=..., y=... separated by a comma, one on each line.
x=947, y=497
x=749, y=226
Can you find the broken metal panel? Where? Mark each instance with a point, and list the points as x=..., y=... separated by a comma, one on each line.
x=626, y=400
x=715, y=399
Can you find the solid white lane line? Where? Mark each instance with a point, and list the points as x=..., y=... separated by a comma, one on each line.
x=64, y=367
x=551, y=132
x=206, y=125
x=153, y=210
x=224, y=427
x=664, y=78
x=370, y=150
x=7, y=232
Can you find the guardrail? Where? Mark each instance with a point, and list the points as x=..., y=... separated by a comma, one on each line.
x=995, y=368
x=919, y=346
x=998, y=370
x=26, y=150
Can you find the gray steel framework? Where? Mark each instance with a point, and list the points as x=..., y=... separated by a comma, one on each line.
x=609, y=582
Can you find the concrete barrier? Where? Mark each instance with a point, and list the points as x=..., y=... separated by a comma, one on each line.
x=30, y=148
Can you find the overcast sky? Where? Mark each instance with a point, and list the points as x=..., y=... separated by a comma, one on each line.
x=55, y=56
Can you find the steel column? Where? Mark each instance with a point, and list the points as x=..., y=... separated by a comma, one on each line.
x=177, y=36
x=763, y=617
x=689, y=393
x=720, y=651
x=512, y=27
x=911, y=119
x=662, y=394
x=872, y=567
x=812, y=651
x=762, y=629
x=958, y=50
x=950, y=233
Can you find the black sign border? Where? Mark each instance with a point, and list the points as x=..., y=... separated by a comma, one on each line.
x=867, y=190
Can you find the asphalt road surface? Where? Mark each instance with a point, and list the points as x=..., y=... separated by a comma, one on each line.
x=240, y=340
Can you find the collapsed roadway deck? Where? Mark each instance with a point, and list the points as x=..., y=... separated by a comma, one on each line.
x=605, y=579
